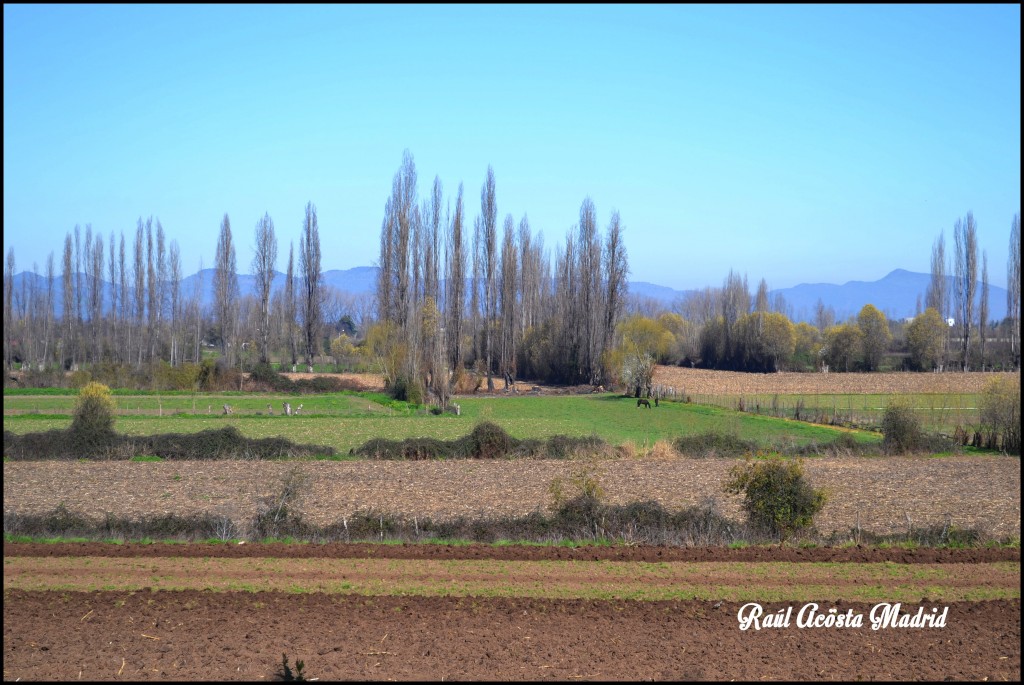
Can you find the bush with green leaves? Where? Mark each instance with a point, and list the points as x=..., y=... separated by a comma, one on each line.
x=776, y=496
x=901, y=429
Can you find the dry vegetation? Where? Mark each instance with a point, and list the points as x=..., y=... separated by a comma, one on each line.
x=705, y=382
x=373, y=382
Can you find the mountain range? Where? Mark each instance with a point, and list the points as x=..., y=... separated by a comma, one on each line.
x=896, y=295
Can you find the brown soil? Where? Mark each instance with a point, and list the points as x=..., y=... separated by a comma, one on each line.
x=191, y=635
x=364, y=381
x=573, y=579
x=516, y=552
x=883, y=494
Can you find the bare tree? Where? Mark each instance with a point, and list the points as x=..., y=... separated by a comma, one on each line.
x=96, y=297
x=139, y=282
x=115, y=298
x=474, y=291
x=616, y=271
x=195, y=314
x=309, y=263
x=8, y=309
x=67, y=310
x=124, y=311
x=1013, y=290
x=87, y=323
x=589, y=300
x=965, y=238
x=431, y=251
x=152, y=305
x=455, y=285
x=824, y=316
x=289, y=320
x=162, y=299
x=263, y=268
x=48, y=307
x=735, y=303
x=489, y=225
x=508, y=306
x=936, y=295
x=175, y=266
x=983, y=306
x=225, y=286
x=761, y=299
x=78, y=292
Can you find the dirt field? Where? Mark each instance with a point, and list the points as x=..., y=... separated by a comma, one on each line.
x=970, y=492
x=142, y=634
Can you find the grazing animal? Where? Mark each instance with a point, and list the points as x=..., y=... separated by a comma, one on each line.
x=643, y=403
x=287, y=409
x=227, y=409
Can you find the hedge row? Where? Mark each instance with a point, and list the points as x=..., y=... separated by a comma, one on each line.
x=220, y=443
x=486, y=441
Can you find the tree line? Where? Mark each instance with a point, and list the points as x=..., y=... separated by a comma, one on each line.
x=456, y=308
x=147, y=317
x=451, y=301
x=727, y=328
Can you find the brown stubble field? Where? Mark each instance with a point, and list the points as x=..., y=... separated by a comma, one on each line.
x=705, y=382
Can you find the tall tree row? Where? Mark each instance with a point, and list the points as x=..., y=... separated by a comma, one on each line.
x=498, y=297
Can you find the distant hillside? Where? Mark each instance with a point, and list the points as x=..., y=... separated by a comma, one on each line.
x=895, y=295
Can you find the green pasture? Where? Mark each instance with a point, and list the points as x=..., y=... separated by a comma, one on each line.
x=345, y=421
x=205, y=404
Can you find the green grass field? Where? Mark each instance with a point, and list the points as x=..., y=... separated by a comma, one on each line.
x=938, y=412
x=345, y=421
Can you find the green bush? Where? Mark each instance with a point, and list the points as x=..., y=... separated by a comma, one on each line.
x=901, y=428
x=777, y=498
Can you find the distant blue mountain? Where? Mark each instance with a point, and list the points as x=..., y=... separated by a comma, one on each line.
x=895, y=295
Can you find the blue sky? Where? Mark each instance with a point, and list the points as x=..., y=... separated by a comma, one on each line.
x=798, y=144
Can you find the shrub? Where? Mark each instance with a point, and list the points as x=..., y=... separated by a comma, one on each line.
x=776, y=497
x=80, y=379
x=489, y=441
x=92, y=425
x=1000, y=415
x=486, y=441
x=901, y=428
x=712, y=443
x=218, y=443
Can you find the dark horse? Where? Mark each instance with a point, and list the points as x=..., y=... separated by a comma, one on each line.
x=643, y=403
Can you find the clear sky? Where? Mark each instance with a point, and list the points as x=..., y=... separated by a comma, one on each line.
x=799, y=144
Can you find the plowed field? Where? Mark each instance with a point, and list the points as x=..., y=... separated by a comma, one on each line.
x=705, y=382
x=509, y=628
x=882, y=494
